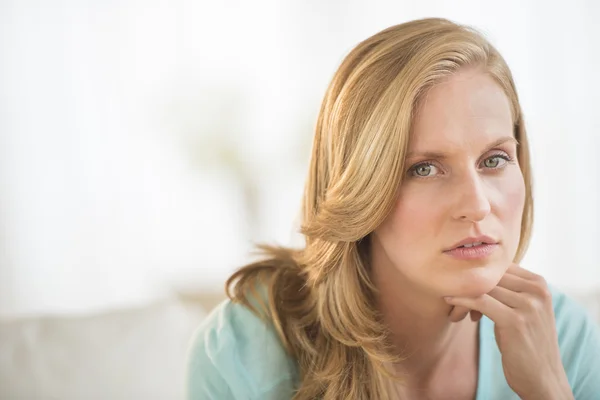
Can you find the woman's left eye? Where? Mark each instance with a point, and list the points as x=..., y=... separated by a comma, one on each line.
x=496, y=161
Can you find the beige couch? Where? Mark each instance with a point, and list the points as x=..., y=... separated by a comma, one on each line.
x=136, y=353
x=131, y=354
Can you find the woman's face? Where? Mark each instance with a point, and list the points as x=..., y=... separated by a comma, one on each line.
x=462, y=180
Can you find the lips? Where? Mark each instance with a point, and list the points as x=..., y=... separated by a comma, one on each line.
x=476, y=253
x=483, y=239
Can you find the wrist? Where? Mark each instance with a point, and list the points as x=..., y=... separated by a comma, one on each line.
x=563, y=392
x=557, y=390
x=553, y=389
x=563, y=389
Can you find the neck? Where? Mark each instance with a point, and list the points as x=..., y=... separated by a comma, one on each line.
x=420, y=328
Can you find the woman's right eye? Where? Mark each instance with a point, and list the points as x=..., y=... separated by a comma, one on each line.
x=423, y=170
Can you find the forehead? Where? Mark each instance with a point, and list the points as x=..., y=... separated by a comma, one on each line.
x=469, y=106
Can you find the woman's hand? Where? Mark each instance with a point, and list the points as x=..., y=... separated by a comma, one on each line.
x=521, y=308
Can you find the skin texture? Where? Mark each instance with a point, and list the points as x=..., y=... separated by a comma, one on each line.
x=468, y=190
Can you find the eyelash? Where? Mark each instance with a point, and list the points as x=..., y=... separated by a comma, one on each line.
x=502, y=155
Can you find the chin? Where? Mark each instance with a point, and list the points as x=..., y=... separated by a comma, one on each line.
x=479, y=281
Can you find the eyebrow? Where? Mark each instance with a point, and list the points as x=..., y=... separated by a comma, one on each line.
x=441, y=155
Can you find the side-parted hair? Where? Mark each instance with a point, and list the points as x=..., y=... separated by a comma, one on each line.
x=320, y=299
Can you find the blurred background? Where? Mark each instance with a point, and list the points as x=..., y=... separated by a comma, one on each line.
x=146, y=146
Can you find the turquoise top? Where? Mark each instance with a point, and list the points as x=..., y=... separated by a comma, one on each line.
x=235, y=355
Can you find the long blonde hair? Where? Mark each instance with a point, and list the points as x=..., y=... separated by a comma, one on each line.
x=321, y=298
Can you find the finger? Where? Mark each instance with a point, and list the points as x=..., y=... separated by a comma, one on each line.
x=522, y=272
x=458, y=313
x=508, y=297
x=529, y=282
x=475, y=315
x=515, y=283
x=487, y=305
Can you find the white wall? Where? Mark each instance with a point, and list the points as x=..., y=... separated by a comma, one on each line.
x=117, y=119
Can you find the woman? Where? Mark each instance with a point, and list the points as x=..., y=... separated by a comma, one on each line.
x=417, y=211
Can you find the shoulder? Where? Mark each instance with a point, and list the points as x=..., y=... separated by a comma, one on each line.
x=579, y=342
x=236, y=355
x=574, y=322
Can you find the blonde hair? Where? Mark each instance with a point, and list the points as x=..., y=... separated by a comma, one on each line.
x=321, y=298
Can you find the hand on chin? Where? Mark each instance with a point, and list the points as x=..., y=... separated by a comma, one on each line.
x=458, y=313
x=483, y=283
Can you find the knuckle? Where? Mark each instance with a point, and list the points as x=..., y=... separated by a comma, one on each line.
x=481, y=300
x=520, y=321
x=540, y=288
x=540, y=280
x=530, y=303
x=545, y=294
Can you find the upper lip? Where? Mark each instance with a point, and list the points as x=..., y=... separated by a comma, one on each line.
x=469, y=240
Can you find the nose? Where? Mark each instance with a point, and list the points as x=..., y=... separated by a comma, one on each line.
x=473, y=203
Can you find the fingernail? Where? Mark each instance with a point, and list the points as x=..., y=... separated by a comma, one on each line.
x=447, y=298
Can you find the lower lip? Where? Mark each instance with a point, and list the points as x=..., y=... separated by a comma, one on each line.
x=472, y=253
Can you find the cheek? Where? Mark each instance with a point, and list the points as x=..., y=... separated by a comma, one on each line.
x=413, y=218
x=513, y=199
x=510, y=212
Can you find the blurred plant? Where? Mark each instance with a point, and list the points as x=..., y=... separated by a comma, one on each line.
x=206, y=119
x=210, y=122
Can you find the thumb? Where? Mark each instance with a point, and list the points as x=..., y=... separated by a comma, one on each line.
x=458, y=313
x=475, y=315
